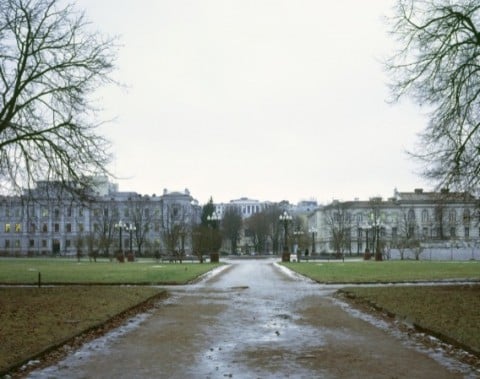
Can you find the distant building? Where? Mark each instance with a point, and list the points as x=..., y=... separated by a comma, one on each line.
x=45, y=221
x=407, y=219
x=247, y=207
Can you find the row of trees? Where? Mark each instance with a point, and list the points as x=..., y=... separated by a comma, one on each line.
x=173, y=230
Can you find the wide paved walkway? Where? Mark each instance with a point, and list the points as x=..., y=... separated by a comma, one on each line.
x=253, y=320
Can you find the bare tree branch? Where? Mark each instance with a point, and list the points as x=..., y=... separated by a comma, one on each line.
x=50, y=64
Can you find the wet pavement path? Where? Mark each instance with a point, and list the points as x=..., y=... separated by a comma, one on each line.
x=253, y=320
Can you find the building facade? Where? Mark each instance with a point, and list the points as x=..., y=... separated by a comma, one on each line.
x=406, y=220
x=44, y=221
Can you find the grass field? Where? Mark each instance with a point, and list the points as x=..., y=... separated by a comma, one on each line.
x=387, y=271
x=450, y=311
x=33, y=319
x=68, y=271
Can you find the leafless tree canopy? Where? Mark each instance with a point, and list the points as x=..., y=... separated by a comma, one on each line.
x=50, y=63
x=438, y=64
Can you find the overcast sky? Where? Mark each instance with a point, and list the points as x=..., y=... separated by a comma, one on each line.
x=268, y=99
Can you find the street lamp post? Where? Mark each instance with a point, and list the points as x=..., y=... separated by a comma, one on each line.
x=285, y=218
x=214, y=218
x=312, y=230
x=119, y=226
x=131, y=228
x=376, y=224
x=366, y=228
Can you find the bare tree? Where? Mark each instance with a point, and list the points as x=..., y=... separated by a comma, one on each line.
x=407, y=233
x=232, y=224
x=200, y=241
x=438, y=63
x=276, y=228
x=175, y=228
x=104, y=226
x=142, y=218
x=49, y=66
x=259, y=227
x=339, y=224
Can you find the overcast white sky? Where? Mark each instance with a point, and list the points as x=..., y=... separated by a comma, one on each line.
x=267, y=99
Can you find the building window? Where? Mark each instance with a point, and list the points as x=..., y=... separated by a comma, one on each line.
x=44, y=243
x=68, y=243
x=394, y=232
x=7, y=212
x=126, y=213
x=411, y=215
x=68, y=228
x=80, y=227
x=452, y=216
x=7, y=228
x=80, y=212
x=31, y=243
x=18, y=228
x=44, y=212
x=56, y=213
x=44, y=228
x=7, y=244
x=57, y=228
x=452, y=232
x=32, y=228
x=467, y=232
x=69, y=212
x=424, y=215
x=466, y=216
x=17, y=244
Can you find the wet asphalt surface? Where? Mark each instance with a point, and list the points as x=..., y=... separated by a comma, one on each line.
x=254, y=320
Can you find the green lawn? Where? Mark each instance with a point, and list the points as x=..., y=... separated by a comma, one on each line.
x=387, y=271
x=68, y=271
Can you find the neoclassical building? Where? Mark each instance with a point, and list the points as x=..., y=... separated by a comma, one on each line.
x=418, y=217
x=45, y=221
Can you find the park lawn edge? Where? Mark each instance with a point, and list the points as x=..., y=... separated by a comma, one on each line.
x=55, y=351
x=364, y=304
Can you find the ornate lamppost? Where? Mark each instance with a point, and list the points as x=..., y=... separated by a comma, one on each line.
x=285, y=218
x=214, y=218
x=131, y=228
x=119, y=226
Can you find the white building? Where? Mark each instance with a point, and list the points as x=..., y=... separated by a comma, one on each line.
x=353, y=227
x=247, y=207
